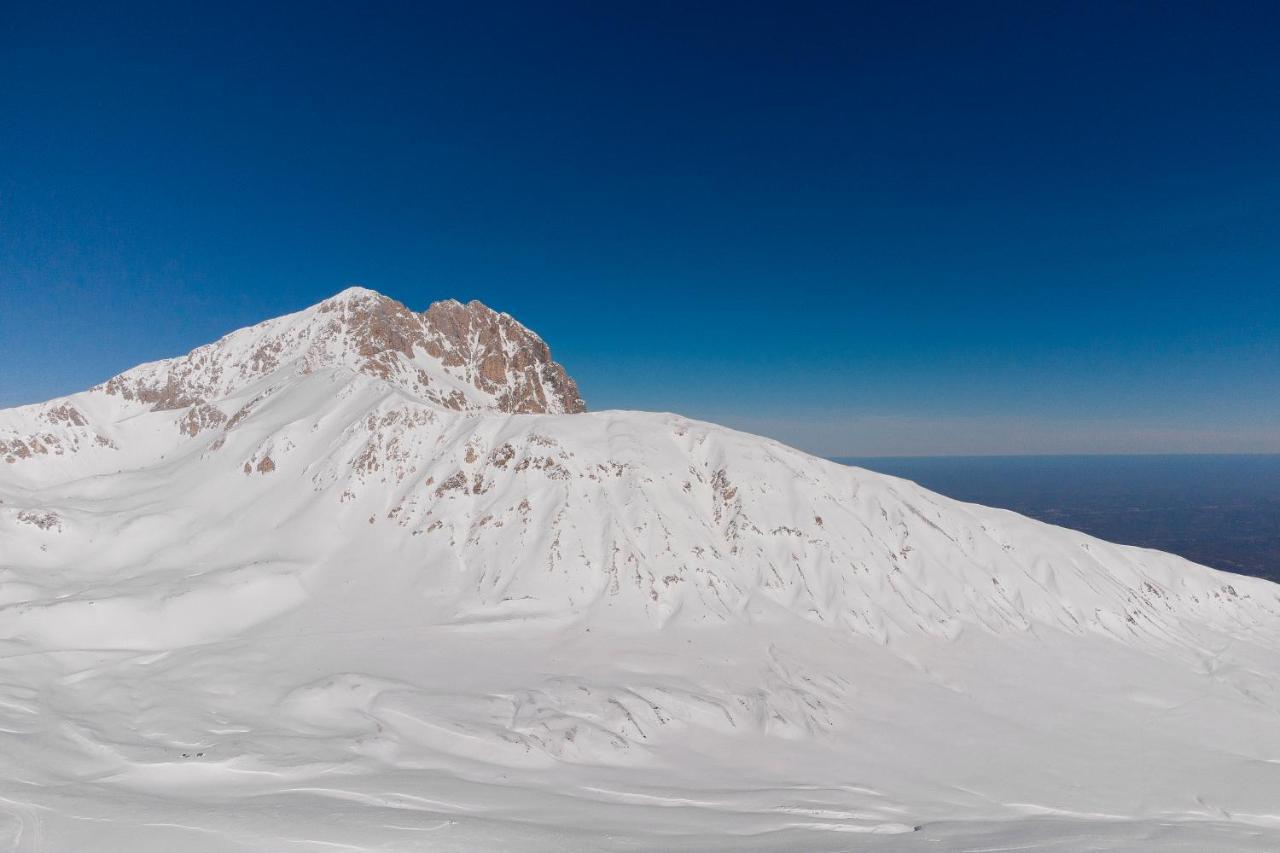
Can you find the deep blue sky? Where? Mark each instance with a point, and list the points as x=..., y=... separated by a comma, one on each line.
x=864, y=229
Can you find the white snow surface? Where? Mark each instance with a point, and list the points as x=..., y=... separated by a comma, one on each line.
x=342, y=616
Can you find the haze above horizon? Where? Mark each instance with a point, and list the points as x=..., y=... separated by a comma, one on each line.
x=865, y=231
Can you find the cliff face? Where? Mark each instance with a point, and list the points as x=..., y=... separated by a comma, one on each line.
x=500, y=357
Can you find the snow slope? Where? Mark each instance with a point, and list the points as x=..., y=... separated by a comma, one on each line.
x=365, y=579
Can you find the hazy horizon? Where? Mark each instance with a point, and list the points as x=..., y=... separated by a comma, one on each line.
x=1220, y=510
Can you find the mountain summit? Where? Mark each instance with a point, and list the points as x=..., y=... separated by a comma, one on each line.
x=462, y=357
x=371, y=578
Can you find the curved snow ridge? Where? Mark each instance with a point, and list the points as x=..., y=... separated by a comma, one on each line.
x=668, y=518
x=210, y=607
x=574, y=720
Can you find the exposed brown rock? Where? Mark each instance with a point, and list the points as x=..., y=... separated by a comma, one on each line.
x=27, y=447
x=483, y=348
x=456, y=482
x=65, y=414
x=201, y=417
x=501, y=357
x=173, y=394
x=242, y=413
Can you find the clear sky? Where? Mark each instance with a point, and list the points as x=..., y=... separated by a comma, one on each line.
x=864, y=229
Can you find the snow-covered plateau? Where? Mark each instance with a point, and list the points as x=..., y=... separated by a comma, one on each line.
x=360, y=578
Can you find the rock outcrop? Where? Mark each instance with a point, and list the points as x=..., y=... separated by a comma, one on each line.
x=459, y=356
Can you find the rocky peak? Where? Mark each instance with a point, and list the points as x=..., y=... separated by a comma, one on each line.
x=376, y=328
x=466, y=357
x=499, y=356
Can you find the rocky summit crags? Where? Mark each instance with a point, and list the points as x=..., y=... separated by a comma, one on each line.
x=494, y=362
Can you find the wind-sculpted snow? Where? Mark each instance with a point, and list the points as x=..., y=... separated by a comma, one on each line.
x=322, y=608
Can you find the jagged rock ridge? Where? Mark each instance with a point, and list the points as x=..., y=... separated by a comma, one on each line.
x=454, y=356
x=497, y=363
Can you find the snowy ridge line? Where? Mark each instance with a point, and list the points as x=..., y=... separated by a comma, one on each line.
x=368, y=555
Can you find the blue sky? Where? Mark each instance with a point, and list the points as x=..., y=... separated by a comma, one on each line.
x=863, y=229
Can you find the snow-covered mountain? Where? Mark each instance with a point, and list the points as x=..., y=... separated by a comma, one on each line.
x=368, y=579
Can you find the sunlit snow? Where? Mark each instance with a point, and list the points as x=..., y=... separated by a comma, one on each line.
x=423, y=627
